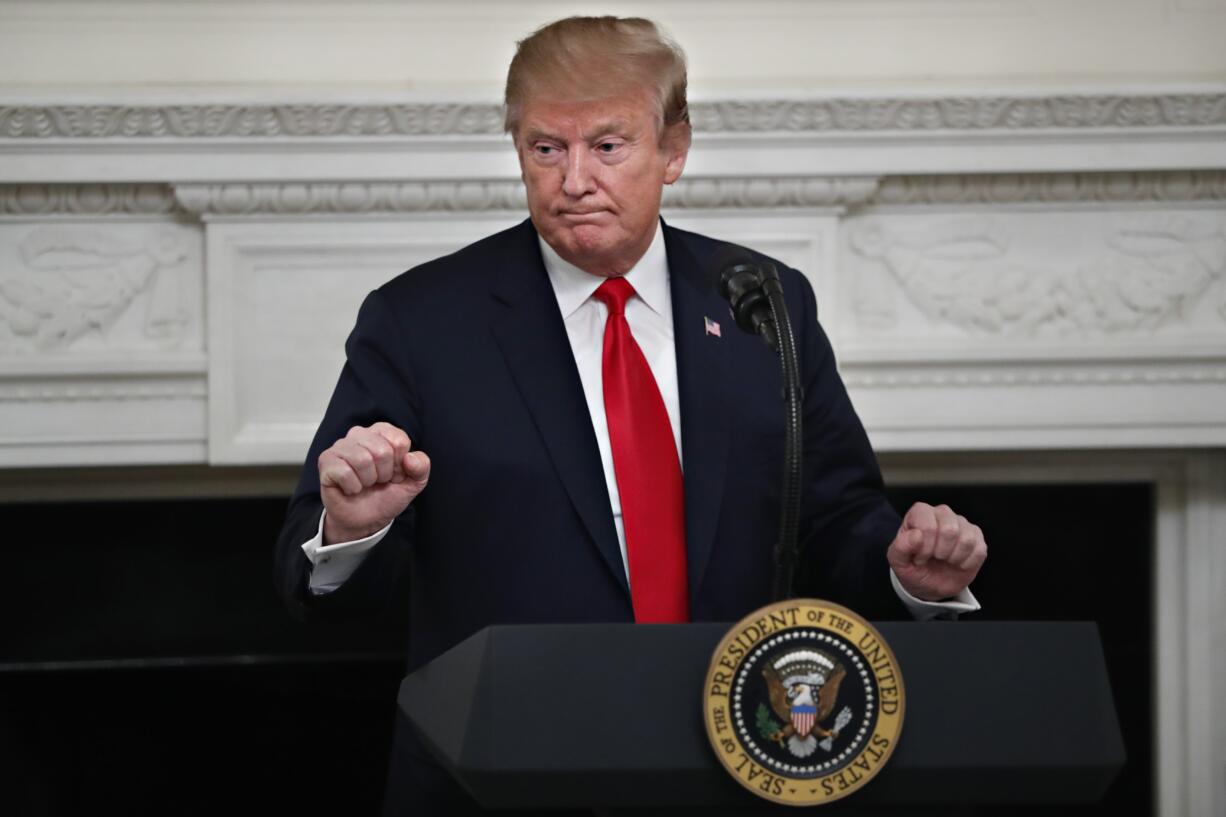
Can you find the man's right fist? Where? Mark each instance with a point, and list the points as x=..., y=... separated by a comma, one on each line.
x=367, y=479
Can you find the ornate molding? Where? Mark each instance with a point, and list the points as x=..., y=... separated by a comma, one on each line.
x=247, y=121
x=36, y=200
x=732, y=116
x=358, y=197
x=857, y=377
x=827, y=191
x=962, y=113
x=468, y=196
x=77, y=391
x=86, y=199
x=1053, y=188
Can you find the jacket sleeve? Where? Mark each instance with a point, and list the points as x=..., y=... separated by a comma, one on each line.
x=847, y=523
x=375, y=385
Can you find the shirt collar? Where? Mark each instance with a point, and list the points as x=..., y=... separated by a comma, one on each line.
x=572, y=286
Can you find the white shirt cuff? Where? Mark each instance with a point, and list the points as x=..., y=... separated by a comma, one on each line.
x=964, y=602
x=333, y=564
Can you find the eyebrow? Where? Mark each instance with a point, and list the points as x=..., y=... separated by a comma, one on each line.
x=602, y=129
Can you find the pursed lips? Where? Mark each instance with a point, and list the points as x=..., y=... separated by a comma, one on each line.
x=584, y=216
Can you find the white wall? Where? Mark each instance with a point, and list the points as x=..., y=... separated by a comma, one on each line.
x=453, y=48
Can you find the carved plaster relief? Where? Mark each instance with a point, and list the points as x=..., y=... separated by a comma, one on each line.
x=375, y=198
x=1071, y=275
x=1051, y=188
x=736, y=116
x=88, y=287
x=85, y=199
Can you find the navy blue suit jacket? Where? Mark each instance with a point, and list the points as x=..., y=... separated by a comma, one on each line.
x=469, y=355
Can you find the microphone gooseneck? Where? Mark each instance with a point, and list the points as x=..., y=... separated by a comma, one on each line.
x=753, y=288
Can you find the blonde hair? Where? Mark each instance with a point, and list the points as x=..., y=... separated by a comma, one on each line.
x=583, y=58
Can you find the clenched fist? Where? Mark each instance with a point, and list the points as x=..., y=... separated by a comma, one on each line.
x=937, y=553
x=367, y=479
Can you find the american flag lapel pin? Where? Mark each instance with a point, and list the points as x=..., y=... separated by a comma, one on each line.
x=712, y=328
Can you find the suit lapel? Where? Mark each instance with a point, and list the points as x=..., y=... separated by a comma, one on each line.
x=533, y=340
x=703, y=397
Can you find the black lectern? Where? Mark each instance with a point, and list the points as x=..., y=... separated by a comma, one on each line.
x=609, y=717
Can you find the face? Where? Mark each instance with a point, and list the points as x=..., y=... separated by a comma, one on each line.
x=595, y=171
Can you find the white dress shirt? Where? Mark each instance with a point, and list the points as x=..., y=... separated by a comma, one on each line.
x=650, y=316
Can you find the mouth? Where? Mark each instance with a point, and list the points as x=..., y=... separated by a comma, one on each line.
x=581, y=214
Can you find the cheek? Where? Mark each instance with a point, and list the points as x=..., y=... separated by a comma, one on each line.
x=541, y=184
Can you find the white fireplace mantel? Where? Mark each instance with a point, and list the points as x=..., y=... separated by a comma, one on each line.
x=176, y=280
x=1034, y=285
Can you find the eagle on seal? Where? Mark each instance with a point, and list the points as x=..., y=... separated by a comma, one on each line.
x=803, y=686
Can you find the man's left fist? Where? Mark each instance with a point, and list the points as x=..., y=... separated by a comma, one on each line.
x=937, y=553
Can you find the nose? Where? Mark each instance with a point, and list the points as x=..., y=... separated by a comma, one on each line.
x=578, y=179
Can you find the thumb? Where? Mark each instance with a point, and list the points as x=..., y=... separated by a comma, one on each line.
x=416, y=465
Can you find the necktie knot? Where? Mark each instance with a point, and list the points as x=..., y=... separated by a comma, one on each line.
x=614, y=292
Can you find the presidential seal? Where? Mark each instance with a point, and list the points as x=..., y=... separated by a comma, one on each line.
x=803, y=702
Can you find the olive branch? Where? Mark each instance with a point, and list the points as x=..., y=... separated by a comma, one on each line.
x=767, y=727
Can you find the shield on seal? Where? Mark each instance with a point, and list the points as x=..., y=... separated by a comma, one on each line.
x=803, y=718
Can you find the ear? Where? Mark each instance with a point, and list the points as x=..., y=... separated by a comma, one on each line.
x=676, y=147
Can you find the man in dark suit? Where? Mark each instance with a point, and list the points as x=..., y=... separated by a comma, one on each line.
x=561, y=376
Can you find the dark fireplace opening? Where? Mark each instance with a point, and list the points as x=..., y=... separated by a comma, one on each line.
x=1080, y=552
x=147, y=664
x=156, y=671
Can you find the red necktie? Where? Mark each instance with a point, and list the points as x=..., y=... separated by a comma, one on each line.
x=647, y=468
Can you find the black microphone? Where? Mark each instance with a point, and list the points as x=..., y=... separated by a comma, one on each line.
x=743, y=282
x=751, y=285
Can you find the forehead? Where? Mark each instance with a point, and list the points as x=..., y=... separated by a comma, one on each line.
x=549, y=115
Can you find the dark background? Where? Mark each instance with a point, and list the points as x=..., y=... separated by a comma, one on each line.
x=146, y=665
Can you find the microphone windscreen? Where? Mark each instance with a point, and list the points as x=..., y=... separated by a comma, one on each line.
x=728, y=256
x=727, y=261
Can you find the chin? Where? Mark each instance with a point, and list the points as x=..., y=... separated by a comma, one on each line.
x=586, y=243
